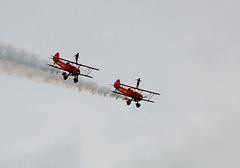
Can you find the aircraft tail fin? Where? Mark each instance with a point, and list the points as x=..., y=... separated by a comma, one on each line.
x=55, y=57
x=117, y=83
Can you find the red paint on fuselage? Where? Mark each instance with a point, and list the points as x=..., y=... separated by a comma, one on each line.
x=66, y=66
x=128, y=92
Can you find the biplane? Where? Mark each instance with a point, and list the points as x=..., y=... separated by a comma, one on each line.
x=134, y=93
x=69, y=68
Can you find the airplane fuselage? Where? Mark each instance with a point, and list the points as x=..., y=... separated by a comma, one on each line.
x=66, y=66
x=128, y=92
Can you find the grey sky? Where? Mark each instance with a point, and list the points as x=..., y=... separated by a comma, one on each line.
x=186, y=50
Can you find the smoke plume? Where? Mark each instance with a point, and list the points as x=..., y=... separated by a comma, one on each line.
x=20, y=63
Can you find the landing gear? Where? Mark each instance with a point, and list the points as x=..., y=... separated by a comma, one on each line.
x=138, y=105
x=129, y=102
x=65, y=76
x=75, y=79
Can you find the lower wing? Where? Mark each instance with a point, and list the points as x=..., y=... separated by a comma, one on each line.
x=68, y=71
x=55, y=67
x=150, y=101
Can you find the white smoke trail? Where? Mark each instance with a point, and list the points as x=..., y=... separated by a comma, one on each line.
x=20, y=63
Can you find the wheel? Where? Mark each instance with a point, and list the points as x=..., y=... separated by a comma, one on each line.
x=75, y=80
x=138, y=105
x=128, y=102
x=64, y=75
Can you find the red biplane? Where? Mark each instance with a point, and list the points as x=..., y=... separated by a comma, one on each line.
x=133, y=93
x=70, y=69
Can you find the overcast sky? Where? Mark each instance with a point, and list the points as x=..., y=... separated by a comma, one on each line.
x=186, y=50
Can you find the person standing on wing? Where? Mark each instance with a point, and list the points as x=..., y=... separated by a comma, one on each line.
x=76, y=57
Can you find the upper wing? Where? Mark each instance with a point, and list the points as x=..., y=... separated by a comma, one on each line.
x=77, y=63
x=140, y=89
